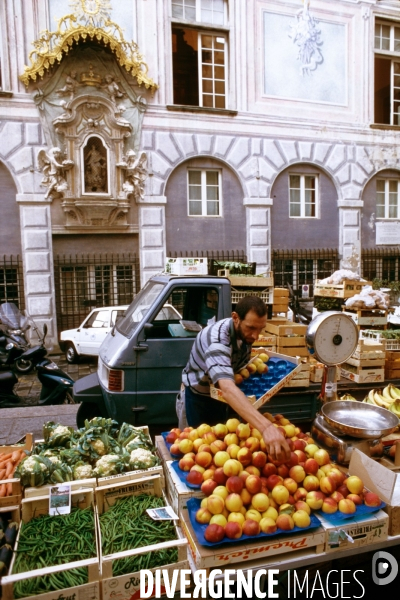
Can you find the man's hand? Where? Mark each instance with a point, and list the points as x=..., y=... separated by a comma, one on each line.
x=276, y=444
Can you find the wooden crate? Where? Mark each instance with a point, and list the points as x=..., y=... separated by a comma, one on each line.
x=367, y=317
x=283, y=327
x=33, y=507
x=265, y=340
x=301, y=351
x=367, y=375
x=346, y=289
x=178, y=492
x=263, y=280
x=392, y=373
x=366, y=362
x=208, y=558
x=106, y=497
x=44, y=490
x=365, y=530
x=16, y=495
x=290, y=341
x=281, y=293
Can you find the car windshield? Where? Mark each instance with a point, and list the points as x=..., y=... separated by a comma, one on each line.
x=139, y=307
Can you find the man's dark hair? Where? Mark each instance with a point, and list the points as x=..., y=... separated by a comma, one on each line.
x=249, y=303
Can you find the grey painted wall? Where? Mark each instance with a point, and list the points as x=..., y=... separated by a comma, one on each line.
x=368, y=223
x=185, y=233
x=10, y=230
x=95, y=244
x=296, y=233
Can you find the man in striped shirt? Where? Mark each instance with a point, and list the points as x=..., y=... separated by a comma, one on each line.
x=219, y=351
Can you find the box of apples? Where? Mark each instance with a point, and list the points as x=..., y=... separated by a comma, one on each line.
x=248, y=493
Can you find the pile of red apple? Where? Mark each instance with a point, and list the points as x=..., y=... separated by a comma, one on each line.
x=247, y=492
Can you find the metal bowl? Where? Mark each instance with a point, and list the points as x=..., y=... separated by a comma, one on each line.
x=359, y=419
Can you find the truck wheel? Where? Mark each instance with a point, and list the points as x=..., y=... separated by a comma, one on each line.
x=71, y=354
x=86, y=410
x=23, y=366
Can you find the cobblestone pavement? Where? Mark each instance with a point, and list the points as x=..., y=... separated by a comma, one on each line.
x=29, y=386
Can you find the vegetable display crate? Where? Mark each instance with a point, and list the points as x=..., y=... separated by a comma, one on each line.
x=235, y=267
x=12, y=514
x=230, y=554
x=369, y=348
x=364, y=530
x=293, y=363
x=13, y=484
x=374, y=363
x=366, y=317
x=178, y=492
x=32, y=508
x=256, y=281
x=187, y=266
x=361, y=374
x=44, y=490
x=346, y=289
x=383, y=338
x=128, y=584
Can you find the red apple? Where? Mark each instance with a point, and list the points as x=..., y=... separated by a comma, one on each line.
x=372, y=499
x=337, y=496
x=186, y=463
x=233, y=530
x=300, y=494
x=214, y=533
x=285, y=522
x=315, y=499
x=297, y=473
x=208, y=486
x=251, y=527
x=234, y=484
x=253, y=484
x=311, y=466
x=299, y=445
x=259, y=459
x=329, y=505
x=342, y=489
x=283, y=471
x=219, y=476
x=269, y=469
x=302, y=456
x=253, y=470
x=253, y=444
x=311, y=483
x=195, y=478
x=327, y=485
x=274, y=480
x=301, y=505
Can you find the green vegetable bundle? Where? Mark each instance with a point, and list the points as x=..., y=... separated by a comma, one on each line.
x=45, y=541
x=126, y=525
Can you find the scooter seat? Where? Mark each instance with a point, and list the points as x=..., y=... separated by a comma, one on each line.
x=8, y=378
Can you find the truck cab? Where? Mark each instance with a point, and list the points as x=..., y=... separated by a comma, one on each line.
x=141, y=360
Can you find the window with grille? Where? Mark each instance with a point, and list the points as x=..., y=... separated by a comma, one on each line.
x=303, y=196
x=9, y=285
x=387, y=199
x=387, y=73
x=204, y=193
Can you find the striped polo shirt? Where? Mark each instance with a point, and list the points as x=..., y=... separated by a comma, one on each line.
x=216, y=354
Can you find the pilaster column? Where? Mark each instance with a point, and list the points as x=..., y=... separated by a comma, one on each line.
x=350, y=233
x=152, y=236
x=37, y=252
x=258, y=220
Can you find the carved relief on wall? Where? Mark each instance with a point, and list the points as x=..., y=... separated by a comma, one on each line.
x=135, y=173
x=53, y=166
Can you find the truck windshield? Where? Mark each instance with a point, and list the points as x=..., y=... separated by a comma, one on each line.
x=139, y=307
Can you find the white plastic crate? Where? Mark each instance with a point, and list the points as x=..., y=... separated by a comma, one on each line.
x=266, y=295
x=187, y=266
x=377, y=335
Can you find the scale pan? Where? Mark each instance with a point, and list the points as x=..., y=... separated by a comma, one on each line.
x=359, y=419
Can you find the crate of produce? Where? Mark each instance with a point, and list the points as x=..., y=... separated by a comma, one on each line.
x=146, y=543
x=257, y=403
x=390, y=338
x=10, y=517
x=361, y=374
x=374, y=363
x=36, y=573
x=266, y=294
x=234, y=267
x=369, y=348
x=262, y=280
x=362, y=531
x=264, y=548
x=346, y=289
x=301, y=380
x=178, y=492
x=301, y=351
x=366, y=317
x=10, y=457
x=187, y=266
x=392, y=365
x=284, y=328
x=381, y=480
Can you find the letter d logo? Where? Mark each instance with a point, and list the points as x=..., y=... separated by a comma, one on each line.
x=384, y=568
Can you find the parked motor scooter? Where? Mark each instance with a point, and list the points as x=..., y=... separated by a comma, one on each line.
x=56, y=384
x=13, y=341
x=302, y=308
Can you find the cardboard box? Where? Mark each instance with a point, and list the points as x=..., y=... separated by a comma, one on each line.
x=284, y=328
x=346, y=289
x=32, y=508
x=178, y=492
x=106, y=497
x=364, y=375
x=187, y=266
x=368, y=529
x=230, y=554
x=381, y=480
x=217, y=394
x=15, y=498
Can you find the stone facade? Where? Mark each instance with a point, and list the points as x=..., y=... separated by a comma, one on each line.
x=262, y=133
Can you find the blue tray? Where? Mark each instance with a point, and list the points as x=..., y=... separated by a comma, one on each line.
x=339, y=518
x=257, y=385
x=183, y=476
x=193, y=505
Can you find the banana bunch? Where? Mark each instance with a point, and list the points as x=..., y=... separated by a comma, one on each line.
x=348, y=397
x=384, y=398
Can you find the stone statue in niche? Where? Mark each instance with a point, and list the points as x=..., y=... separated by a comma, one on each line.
x=95, y=162
x=135, y=173
x=53, y=166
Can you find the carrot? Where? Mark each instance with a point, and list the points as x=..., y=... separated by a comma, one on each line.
x=2, y=474
x=9, y=469
x=3, y=489
x=15, y=455
x=9, y=490
x=5, y=457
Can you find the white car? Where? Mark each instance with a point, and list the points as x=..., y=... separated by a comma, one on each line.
x=88, y=337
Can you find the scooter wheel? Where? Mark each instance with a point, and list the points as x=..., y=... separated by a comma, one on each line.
x=71, y=354
x=23, y=366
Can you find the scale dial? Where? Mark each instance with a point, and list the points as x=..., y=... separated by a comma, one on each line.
x=332, y=337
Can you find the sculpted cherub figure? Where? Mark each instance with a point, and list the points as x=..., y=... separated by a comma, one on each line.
x=135, y=173
x=52, y=165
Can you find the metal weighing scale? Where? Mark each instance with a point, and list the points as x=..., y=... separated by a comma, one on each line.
x=341, y=426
